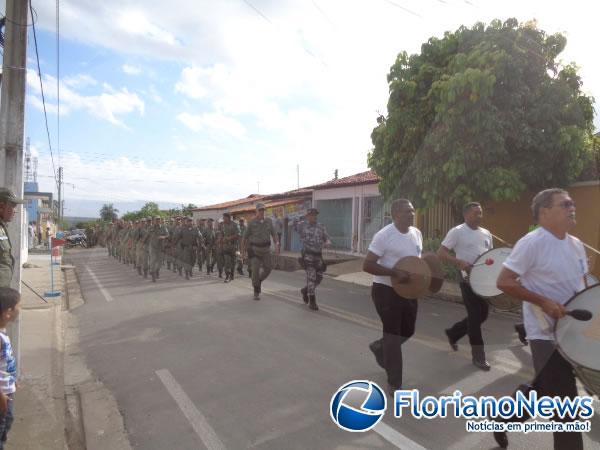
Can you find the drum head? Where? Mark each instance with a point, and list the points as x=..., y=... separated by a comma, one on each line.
x=437, y=271
x=579, y=341
x=420, y=278
x=483, y=277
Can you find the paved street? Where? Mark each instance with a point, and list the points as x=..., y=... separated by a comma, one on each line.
x=198, y=364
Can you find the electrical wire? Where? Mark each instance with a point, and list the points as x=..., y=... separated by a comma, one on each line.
x=37, y=56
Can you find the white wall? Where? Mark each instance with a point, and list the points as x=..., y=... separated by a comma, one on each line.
x=214, y=214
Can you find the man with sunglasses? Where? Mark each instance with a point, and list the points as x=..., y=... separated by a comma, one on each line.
x=545, y=269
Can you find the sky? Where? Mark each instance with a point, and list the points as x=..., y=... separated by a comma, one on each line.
x=204, y=101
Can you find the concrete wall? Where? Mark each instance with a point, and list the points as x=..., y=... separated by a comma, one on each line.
x=511, y=220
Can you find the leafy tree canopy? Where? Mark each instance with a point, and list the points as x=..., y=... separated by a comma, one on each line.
x=483, y=113
x=108, y=212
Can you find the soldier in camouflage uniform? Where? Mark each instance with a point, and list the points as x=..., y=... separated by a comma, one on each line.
x=209, y=245
x=123, y=236
x=189, y=242
x=231, y=235
x=8, y=203
x=257, y=245
x=240, y=259
x=314, y=237
x=177, y=249
x=139, y=235
x=219, y=248
x=158, y=234
x=168, y=245
x=201, y=250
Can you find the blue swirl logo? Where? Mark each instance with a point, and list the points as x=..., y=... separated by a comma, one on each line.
x=358, y=406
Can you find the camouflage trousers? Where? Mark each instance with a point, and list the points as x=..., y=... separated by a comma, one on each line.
x=209, y=257
x=200, y=257
x=155, y=259
x=229, y=260
x=141, y=257
x=313, y=267
x=219, y=259
x=261, y=257
x=188, y=257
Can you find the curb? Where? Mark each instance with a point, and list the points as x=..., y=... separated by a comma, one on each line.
x=93, y=420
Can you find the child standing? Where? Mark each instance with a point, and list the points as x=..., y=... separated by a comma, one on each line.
x=9, y=311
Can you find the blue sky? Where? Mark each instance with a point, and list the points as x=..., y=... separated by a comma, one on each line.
x=205, y=101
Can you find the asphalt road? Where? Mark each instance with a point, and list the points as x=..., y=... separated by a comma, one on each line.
x=198, y=364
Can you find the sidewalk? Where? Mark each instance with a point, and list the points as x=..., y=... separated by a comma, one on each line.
x=40, y=401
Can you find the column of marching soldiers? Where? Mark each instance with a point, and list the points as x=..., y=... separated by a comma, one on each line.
x=151, y=243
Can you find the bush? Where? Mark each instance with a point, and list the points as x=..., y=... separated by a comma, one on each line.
x=451, y=273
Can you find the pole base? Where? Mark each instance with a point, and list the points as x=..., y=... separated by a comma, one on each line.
x=52, y=294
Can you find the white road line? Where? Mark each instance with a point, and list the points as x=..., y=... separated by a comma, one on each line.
x=396, y=438
x=104, y=292
x=191, y=413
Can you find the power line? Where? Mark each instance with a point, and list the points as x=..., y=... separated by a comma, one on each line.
x=58, y=79
x=404, y=9
x=37, y=57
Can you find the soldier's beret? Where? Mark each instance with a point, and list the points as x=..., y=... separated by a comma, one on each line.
x=6, y=195
x=312, y=211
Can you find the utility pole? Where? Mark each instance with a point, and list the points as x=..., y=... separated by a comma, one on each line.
x=60, y=207
x=298, y=175
x=12, y=118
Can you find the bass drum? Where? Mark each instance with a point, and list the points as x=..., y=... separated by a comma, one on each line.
x=483, y=279
x=579, y=341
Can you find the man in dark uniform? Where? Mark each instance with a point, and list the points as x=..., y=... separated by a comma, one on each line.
x=314, y=237
x=209, y=244
x=189, y=243
x=231, y=235
x=257, y=246
x=8, y=203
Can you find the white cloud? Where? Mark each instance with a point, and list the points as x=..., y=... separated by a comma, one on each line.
x=131, y=70
x=213, y=121
x=106, y=105
x=136, y=23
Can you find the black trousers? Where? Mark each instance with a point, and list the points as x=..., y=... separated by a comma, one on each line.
x=398, y=316
x=553, y=377
x=477, y=313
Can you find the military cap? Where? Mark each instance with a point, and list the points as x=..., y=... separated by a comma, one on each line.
x=211, y=220
x=312, y=211
x=226, y=213
x=260, y=205
x=8, y=196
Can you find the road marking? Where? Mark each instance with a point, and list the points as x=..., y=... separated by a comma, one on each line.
x=104, y=292
x=396, y=438
x=191, y=413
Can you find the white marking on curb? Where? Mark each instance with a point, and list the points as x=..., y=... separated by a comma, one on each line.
x=396, y=438
x=191, y=413
x=104, y=292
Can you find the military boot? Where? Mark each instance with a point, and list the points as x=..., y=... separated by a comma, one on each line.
x=312, y=303
x=304, y=295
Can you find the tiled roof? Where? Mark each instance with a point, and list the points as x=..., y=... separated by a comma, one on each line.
x=368, y=177
x=250, y=199
x=272, y=204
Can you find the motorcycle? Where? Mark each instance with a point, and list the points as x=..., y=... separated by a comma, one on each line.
x=76, y=240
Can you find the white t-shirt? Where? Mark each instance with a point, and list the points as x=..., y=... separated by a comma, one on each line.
x=467, y=243
x=391, y=245
x=550, y=267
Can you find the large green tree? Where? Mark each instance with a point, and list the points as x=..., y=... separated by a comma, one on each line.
x=483, y=113
x=108, y=212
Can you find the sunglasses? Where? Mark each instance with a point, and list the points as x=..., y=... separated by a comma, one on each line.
x=566, y=204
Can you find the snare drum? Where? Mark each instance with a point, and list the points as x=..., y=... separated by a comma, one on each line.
x=579, y=342
x=483, y=279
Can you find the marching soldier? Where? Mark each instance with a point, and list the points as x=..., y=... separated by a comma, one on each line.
x=314, y=237
x=219, y=248
x=189, y=241
x=240, y=261
x=231, y=235
x=8, y=203
x=209, y=243
x=177, y=250
x=201, y=252
x=146, y=245
x=157, y=236
x=139, y=246
x=257, y=245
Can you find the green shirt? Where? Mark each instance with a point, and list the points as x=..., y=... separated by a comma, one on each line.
x=7, y=262
x=260, y=231
x=231, y=233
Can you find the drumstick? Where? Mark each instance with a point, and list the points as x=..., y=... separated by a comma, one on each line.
x=580, y=314
x=487, y=262
x=501, y=240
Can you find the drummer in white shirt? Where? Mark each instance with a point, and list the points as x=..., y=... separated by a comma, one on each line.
x=469, y=241
x=545, y=269
x=398, y=315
